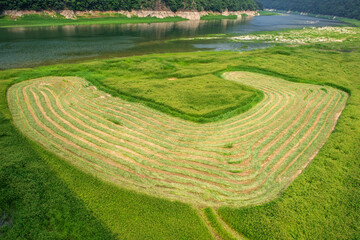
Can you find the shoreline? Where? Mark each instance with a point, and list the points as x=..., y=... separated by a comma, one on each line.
x=14, y=18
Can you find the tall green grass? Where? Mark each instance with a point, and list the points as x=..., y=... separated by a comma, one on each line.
x=37, y=203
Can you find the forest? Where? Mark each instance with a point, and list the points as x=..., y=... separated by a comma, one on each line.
x=344, y=8
x=106, y=5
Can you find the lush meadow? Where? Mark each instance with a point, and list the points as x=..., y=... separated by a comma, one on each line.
x=321, y=203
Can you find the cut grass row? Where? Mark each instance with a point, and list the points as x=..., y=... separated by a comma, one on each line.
x=41, y=106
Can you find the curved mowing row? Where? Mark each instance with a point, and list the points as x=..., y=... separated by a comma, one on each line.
x=243, y=160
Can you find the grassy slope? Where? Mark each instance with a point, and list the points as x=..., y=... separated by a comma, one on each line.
x=43, y=197
x=322, y=203
x=38, y=21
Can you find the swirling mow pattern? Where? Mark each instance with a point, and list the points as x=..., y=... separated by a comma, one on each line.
x=247, y=159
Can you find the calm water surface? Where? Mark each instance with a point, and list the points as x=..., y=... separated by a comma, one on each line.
x=28, y=47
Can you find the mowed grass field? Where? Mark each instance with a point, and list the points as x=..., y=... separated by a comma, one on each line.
x=247, y=159
x=320, y=203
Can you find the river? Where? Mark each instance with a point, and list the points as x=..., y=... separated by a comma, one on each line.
x=35, y=46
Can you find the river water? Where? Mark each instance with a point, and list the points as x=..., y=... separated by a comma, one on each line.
x=34, y=46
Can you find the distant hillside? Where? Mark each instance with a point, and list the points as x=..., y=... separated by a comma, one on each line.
x=343, y=8
x=104, y=5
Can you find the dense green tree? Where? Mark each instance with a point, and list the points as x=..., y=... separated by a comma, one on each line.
x=174, y=5
x=343, y=8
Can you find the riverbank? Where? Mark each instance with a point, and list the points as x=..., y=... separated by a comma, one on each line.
x=15, y=18
x=43, y=20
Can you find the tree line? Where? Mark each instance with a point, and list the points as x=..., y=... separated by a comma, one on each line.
x=343, y=8
x=107, y=5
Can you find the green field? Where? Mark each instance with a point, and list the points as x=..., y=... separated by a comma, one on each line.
x=217, y=16
x=268, y=13
x=321, y=203
x=46, y=20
